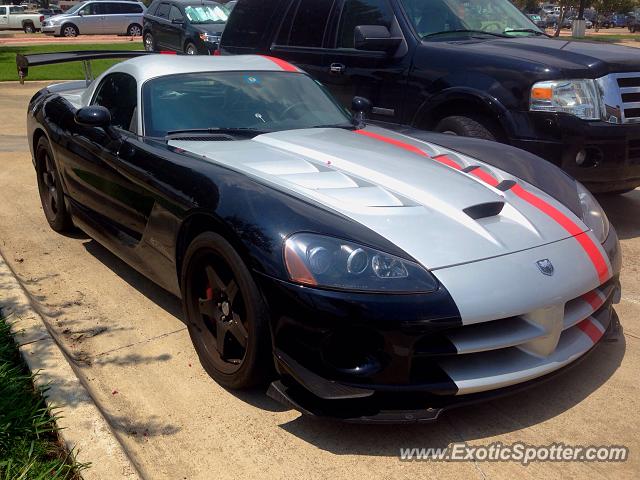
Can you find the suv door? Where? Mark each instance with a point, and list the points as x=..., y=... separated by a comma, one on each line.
x=378, y=76
x=175, y=31
x=90, y=19
x=301, y=36
x=161, y=25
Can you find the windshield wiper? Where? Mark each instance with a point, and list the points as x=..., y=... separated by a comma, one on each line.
x=214, y=130
x=346, y=126
x=526, y=30
x=462, y=30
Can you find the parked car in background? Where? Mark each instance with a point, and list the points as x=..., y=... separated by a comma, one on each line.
x=51, y=11
x=97, y=18
x=14, y=17
x=189, y=26
x=484, y=73
x=537, y=19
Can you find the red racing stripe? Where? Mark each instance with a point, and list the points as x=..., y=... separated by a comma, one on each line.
x=393, y=141
x=590, y=248
x=450, y=162
x=485, y=177
x=593, y=299
x=590, y=329
x=286, y=66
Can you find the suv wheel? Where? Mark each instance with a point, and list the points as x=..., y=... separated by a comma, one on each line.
x=134, y=30
x=69, y=30
x=149, y=43
x=190, y=49
x=467, y=127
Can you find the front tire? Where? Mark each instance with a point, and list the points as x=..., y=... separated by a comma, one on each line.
x=50, y=189
x=226, y=314
x=468, y=127
x=69, y=30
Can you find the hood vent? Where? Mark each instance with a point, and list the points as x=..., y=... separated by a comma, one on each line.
x=213, y=137
x=483, y=210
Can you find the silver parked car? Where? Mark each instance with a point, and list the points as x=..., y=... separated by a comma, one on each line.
x=96, y=18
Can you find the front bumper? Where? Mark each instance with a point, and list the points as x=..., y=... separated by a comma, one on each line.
x=612, y=151
x=51, y=29
x=406, y=358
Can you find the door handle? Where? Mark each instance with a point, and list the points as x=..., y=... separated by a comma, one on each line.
x=337, y=68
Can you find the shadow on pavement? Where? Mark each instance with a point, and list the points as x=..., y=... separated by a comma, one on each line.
x=622, y=211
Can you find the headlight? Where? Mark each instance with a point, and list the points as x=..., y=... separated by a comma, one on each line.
x=322, y=261
x=593, y=215
x=578, y=97
x=206, y=37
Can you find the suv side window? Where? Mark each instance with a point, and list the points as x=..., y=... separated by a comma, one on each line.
x=163, y=11
x=248, y=23
x=305, y=23
x=109, y=8
x=362, y=12
x=175, y=14
x=152, y=8
x=118, y=94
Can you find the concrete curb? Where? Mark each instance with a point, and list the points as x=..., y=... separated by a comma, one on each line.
x=83, y=427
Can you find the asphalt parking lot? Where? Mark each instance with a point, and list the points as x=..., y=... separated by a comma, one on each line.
x=127, y=340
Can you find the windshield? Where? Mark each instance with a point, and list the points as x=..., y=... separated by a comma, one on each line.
x=75, y=8
x=263, y=101
x=431, y=17
x=206, y=13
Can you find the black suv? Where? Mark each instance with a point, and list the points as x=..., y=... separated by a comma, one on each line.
x=465, y=67
x=193, y=27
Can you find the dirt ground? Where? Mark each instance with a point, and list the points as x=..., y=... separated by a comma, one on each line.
x=127, y=338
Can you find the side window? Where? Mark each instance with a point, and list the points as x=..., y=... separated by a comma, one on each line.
x=163, y=11
x=175, y=14
x=152, y=8
x=86, y=10
x=362, y=12
x=248, y=23
x=113, y=8
x=3, y=10
x=132, y=8
x=118, y=93
x=305, y=23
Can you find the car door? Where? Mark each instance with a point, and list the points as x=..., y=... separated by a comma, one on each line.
x=90, y=162
x=301, y=36
x=90, y=19
x=378, y=76
x=114, y=18
x=161, y=24
x=175, y=29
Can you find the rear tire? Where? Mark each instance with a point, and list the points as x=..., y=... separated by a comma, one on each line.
x=69, y=30
x=29, y=28
x=468, y=127
x=226, y=315
x=134, y=30
x=149, y=42
x=50, y=189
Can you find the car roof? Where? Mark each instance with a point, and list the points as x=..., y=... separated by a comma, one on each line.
x=158, y=65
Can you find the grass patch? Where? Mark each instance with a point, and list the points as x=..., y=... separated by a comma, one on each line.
x=61, y=71
x=609, y=38
x=29, y=445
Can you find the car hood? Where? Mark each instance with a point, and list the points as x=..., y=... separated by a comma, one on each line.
x=212, y=28
x=419, y=204
x=582, y=58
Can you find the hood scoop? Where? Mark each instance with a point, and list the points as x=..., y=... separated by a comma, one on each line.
x=483, y=210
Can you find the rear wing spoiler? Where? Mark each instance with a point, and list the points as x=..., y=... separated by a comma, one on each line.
x=23, y=62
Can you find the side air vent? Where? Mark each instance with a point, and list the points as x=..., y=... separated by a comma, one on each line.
x=483, y=210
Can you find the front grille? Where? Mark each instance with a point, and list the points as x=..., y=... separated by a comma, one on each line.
x=629, y=87
x=498, y=353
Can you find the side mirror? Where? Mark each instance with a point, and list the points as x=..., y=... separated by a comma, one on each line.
x=177, y=21
x=361, y=106
x=81, y=13
x=93, y=116
x=375, y=38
